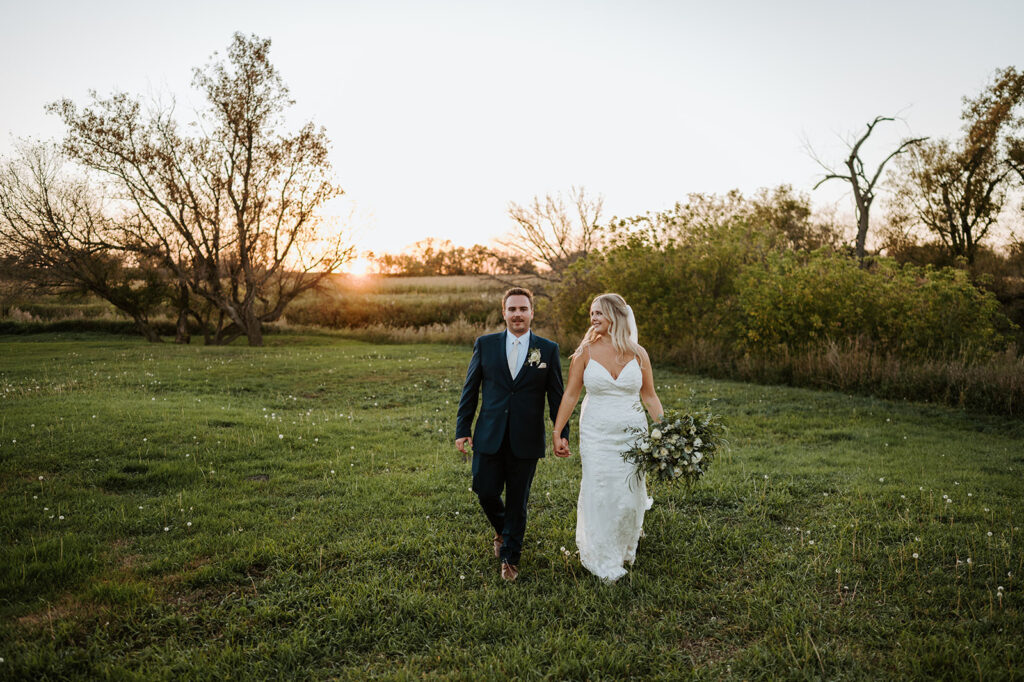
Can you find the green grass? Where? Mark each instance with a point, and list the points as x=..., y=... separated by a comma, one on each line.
x=333, y=534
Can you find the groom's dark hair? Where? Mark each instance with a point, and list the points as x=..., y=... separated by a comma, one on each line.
x=517, y=291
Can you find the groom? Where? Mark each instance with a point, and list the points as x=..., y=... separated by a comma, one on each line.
x=516, y=368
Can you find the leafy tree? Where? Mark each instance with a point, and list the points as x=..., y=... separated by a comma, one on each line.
x=231, y=208
x=54, y=233
x=957, y=189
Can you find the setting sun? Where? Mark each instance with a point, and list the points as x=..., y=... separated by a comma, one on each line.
x=359, y=266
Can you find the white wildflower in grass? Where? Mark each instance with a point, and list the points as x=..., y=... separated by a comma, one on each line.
x=915, y=555
x=280, y=435
x=990, y=533
x=188, y=524
x=882, y=479
x=166, y=528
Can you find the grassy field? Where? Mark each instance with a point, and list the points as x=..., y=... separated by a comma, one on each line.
x=298, y=511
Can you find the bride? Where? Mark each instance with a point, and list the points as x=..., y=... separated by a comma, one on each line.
x=616, y=372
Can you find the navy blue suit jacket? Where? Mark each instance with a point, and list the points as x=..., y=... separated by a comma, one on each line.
x=516, y=405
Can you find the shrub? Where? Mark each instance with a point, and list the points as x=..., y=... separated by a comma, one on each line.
x=800, y=301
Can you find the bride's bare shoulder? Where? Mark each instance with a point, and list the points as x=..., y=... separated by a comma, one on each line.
x=644, y=357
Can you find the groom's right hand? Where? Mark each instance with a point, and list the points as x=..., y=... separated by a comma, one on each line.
x=461, y=444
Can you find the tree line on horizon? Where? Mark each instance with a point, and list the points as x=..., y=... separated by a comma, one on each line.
x=218, y=220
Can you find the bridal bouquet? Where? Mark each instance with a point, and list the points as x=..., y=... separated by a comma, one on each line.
x=680, y=446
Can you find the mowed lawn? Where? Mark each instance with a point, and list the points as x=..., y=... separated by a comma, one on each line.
x=299, y=511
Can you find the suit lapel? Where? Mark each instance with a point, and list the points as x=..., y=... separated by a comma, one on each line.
x=504, y=356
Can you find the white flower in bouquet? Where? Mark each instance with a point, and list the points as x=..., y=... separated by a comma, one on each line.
x=680, y=446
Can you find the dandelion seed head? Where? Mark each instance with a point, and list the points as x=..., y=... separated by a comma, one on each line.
x=915, y=555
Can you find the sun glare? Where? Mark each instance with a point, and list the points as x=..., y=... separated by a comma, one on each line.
x=359, y=267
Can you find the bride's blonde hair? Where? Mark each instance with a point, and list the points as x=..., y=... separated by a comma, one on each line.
x=614, y=308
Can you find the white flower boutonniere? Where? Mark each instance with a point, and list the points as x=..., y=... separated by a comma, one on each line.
x=533, y=357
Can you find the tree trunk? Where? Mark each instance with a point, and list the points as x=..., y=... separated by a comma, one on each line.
x=862, y=235
x=181, y=334
x=253, y=330
x=147, y=330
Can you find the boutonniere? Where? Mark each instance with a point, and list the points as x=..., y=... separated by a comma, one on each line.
x=533, y=358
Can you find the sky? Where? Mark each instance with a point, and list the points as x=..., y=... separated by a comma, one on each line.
x=441, y=113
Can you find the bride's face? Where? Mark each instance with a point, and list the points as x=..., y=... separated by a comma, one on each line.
x=598, y=320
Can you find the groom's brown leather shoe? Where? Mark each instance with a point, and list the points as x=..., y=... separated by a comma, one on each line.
x=509, y=572
x=497, y=545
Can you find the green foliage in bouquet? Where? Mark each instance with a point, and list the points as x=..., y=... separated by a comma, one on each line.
x=679, y=447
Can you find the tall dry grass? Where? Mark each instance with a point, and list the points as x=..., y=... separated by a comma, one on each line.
x=994, y=384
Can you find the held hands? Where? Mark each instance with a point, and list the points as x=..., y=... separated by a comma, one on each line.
x=461, y=443
x=560, y=446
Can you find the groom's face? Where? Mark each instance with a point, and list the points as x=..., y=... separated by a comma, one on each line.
x=518, y=314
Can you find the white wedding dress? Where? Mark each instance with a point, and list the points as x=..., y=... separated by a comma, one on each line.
x=611, y=506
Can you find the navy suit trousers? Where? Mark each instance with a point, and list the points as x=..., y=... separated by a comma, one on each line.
x=503, y=471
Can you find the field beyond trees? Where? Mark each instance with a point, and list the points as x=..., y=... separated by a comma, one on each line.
x=298, y=511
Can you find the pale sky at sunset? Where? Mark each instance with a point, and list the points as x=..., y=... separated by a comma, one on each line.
x=442, y=112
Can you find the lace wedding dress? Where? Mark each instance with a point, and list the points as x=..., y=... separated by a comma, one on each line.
x=611, y=506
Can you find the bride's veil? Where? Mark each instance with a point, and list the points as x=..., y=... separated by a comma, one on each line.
x=634, y=335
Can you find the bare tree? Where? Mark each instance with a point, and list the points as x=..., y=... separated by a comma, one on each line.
x=555, y=232
x=53, y=229
x=232, y=209
x=862, y=186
